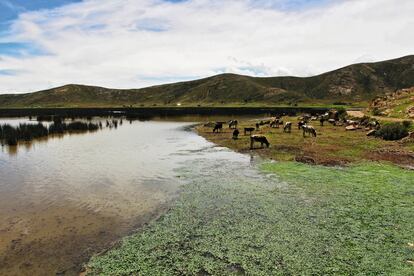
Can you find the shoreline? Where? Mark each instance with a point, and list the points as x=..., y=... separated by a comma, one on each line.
x=150, y=112
x=256, y=226
x=333, y=146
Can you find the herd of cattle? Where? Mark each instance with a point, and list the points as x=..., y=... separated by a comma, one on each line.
x=303, y=123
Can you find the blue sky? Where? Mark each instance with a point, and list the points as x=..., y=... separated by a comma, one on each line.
x=137, y=43
x=10, y=9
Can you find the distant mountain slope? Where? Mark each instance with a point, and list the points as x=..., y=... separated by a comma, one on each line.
x=354, y=83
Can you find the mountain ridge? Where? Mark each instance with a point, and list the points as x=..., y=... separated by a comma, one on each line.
x=355, y=83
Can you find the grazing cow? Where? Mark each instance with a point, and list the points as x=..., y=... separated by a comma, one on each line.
x=276, y=123
x=301, y=124
x=259, y=138
x=287, y=127
x=233, y=123
x=218, y=127
x=309, y=130
x=321, y=120
x=374, y=125
x=236, y=134
x=248, y=129
x=305, y=117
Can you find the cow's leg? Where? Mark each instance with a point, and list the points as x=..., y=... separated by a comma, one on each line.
x=251, y=143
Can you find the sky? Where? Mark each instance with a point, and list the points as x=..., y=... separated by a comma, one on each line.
x=139, y=43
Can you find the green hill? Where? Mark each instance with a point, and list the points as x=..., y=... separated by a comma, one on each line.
x=357, y=84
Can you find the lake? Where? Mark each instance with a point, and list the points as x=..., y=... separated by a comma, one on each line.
x=64, y=198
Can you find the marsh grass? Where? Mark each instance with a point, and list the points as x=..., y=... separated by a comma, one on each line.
x=305, y=220
x=11, y=135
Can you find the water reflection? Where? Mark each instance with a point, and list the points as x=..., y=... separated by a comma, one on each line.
x=61, y=199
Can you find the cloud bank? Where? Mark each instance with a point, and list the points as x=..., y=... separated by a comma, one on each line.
x=136, y=43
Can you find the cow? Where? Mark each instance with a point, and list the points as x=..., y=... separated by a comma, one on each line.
x=308, y=129
x=236, y=134
x=233, y=123
x=248, y=129
x=218, y=127
x=301, y=124
x=276, y=123
x=259, y=138
x=287, y=127
x=322, y=120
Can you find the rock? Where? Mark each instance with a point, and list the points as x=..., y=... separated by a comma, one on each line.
x=371, y=132
x=351, y=127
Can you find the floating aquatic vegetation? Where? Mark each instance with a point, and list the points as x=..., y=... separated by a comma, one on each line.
x=304, y=220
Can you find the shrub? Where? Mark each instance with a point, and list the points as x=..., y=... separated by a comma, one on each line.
x=392, y=131
x=341, y=113
x=407, y=124
x=376, y=111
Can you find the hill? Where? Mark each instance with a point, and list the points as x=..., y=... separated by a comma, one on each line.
x=399, y=104
x=356, y=84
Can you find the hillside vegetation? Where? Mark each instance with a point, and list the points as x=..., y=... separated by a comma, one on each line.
x=399, y=104
x=357, y=84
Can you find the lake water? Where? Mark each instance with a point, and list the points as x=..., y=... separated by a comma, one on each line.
x=65, y=198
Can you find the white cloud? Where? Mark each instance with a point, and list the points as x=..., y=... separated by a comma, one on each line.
x=131, y=43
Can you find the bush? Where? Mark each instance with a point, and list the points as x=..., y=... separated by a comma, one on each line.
x=376, y=111
x=341, y=112
x=392, y=131
x=407, y=124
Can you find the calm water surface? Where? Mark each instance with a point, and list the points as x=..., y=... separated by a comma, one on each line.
x=64, y=198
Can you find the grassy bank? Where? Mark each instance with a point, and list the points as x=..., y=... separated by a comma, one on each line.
x=305, y=220
x=333, y=145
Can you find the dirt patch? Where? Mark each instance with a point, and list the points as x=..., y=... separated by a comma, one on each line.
x=393, y=155
x=355, y=114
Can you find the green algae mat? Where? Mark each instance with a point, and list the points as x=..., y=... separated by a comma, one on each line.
x=235, y=218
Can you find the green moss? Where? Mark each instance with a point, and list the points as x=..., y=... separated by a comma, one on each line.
x=303, y=220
